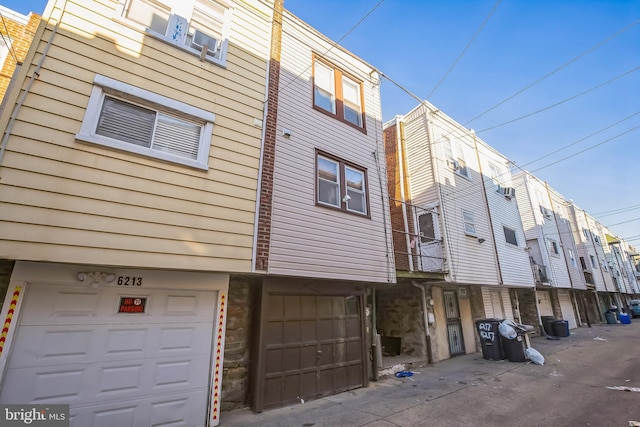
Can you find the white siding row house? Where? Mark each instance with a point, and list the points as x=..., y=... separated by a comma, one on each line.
x=201, y=210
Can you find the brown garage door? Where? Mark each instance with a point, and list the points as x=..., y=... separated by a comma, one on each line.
x=312, y=346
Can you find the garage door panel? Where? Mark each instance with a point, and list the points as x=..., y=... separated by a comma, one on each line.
x=152, y=368
x=104, y=382
x=178, y=410
x=65, y=304
x=69, y=344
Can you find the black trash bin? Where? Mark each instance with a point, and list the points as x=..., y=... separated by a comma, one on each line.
x=547, y=324
x=560, y=328
x=514, y=349
x=490, y=339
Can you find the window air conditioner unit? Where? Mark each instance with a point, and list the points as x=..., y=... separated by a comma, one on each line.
x=508, y=192
x=200, y=40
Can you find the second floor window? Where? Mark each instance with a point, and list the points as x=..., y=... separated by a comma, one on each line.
x=337, y=94
x=197, y=26
x=341, y=185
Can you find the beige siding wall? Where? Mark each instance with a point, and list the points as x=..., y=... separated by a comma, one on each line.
x=66, y=201
x=309, y=240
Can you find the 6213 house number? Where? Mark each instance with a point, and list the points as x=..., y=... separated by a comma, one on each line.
x=129, y=281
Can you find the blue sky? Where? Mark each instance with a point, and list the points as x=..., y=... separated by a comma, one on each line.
x=416, y=42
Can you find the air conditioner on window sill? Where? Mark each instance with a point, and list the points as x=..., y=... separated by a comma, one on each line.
x=453, y=164
x=508, y=192
x=199, y=40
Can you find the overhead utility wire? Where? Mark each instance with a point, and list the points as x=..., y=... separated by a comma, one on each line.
x=578, y=141
x=566, y=64
x=612, y=211
x=9, y=44
x=587, y=149
x=334, y=44
x=495, y=6
x=563, y=101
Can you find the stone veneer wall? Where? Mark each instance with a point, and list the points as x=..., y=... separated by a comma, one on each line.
x=399, y=314
x=6, y=268
x=235, y=379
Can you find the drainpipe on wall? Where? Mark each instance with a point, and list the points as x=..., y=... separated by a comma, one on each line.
x=425, y=314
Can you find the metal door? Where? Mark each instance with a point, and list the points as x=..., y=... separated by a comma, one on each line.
x=454, y=326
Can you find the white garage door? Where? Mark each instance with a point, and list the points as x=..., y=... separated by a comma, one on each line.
x=567, y=308
x=114, y=369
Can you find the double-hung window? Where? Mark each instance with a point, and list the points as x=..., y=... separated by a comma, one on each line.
x=469, y=223
x=198, y=26
x=337, y=94
x=145, y=123
x=341, y=185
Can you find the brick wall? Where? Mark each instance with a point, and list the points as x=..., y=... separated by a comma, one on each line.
x=395, y=197
x=21, y=36
x=269, y=148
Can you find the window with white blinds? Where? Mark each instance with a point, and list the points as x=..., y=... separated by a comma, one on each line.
x=146, y=124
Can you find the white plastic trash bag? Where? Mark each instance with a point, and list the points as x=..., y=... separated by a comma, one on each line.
x=507, y=329
x=535, y=356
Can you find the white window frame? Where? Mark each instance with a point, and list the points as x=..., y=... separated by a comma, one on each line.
x=182, y=13
x=469, y=224
x=106, y=86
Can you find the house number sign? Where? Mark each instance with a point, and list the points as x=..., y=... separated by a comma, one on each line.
x=129, y=281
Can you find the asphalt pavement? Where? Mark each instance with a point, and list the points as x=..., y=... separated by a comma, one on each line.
x=591, y=378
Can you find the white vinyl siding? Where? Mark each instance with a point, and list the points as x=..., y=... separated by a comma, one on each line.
x=309, y=239
x=67, y=201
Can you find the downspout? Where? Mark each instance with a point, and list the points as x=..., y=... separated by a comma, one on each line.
x=486, y=203
x=399, y=149
x=425, y=314
x=27, y=89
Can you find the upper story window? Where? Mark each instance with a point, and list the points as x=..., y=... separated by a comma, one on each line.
x=146, y=123
x=341, y=185
x=510, y=235
x=572, y=258
x=469, y=223
x=197, y=26
x=495, y=176
x=454, y=155
x=337, y=94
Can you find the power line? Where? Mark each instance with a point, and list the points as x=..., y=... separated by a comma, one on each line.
x=586, y=149
x=614, y=211
x=495, y=6
x=566, y=64
x=9, y=44
x=563, y=101
x=580, y=140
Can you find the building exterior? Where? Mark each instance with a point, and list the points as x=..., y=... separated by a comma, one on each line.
x=560, y=285
x=324, y=237
x=458, y=239
x=16, y=35
x=129, y=177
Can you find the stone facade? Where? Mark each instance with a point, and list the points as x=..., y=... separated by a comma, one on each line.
x=399, y=314
x=236, y=380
